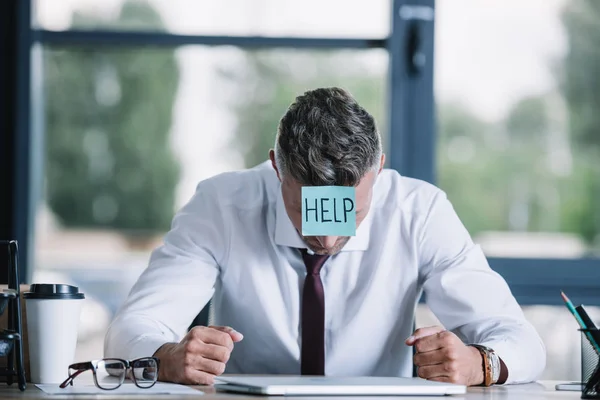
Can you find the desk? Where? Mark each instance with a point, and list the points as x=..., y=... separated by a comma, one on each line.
x=538, y=390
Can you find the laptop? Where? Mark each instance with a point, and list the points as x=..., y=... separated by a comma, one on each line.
x=335, y=386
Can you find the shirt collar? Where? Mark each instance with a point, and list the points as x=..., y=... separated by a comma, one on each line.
x=287, y=235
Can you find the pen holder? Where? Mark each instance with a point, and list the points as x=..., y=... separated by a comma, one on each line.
x=590, y=363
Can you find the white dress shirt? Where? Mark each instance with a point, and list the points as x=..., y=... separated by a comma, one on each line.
x=234, y=242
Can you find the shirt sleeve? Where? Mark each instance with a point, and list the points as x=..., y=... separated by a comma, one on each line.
x=472, y=300
x=178, y=282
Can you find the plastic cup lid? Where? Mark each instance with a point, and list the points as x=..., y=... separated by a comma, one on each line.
x=53, y=291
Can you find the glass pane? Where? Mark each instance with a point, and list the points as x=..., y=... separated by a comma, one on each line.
x=517, y=107
x=130, y=133
x=309, y=18
x=558, y=330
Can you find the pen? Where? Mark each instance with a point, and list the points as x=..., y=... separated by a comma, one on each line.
x=580, y=321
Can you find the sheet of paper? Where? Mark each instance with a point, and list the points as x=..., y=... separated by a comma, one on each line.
x=126, y=388
x=328, y=211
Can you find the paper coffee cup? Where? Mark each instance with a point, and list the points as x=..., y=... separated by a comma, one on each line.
x=52, y=321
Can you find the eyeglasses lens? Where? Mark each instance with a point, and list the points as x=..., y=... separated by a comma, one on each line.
x=110, y=373
x=145, y=372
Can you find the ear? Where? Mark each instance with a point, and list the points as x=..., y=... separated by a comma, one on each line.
x=273, y=163
x=381, y=163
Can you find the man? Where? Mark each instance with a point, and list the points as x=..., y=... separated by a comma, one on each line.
x=239, y=241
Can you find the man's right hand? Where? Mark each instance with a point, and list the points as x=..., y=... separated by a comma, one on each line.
x=199, y=357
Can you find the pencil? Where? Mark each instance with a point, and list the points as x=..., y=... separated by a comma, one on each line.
x=580, y=321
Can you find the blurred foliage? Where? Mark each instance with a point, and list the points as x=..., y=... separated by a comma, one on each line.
x=523, y=173
x=480, y=164
x=468, y=168
x=108, y=115
x=581, y=81
x=581, y=88
x=265, y=83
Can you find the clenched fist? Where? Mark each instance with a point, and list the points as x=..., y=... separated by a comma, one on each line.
x=442, y=356
x=199, y=357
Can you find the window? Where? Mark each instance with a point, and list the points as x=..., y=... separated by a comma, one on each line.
x=513, y=80
x=517, y=150
x=130, y=131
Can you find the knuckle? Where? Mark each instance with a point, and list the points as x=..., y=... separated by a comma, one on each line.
x=224, y=355
x=220, y=368
x=451, y=366
x=208, y=379
x=220, y=337
x=450, y=353
x=421, y=373
x=188, y=360
x=188, y=374
x=419, y=346
x=199, y=347
x=417, y=360
x=455, y=377
x=227, y=341
x=214, y=367
x=447, y=337
x=197, y=332
x=190, y=346
x=201, y=380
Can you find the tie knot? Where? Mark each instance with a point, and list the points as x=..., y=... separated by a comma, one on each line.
x=313, y=262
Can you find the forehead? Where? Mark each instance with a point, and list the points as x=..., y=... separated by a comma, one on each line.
x=292, y=190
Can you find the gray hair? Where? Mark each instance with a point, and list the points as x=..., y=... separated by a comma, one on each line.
x=327, y=138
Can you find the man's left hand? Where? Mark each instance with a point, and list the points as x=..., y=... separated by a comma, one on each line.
x=442, y=356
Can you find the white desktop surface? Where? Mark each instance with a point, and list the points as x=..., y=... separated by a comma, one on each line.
x=533, y=391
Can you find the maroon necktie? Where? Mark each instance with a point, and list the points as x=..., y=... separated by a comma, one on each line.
x=313, y=317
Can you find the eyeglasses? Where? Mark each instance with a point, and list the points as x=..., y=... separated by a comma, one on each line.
x=110, y=373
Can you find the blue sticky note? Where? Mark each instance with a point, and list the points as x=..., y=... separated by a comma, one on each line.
x=328, y=211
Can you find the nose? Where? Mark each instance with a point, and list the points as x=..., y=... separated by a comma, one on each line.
x=327, y=242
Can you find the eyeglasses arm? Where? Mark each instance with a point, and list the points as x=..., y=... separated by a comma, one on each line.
x=79, y=367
